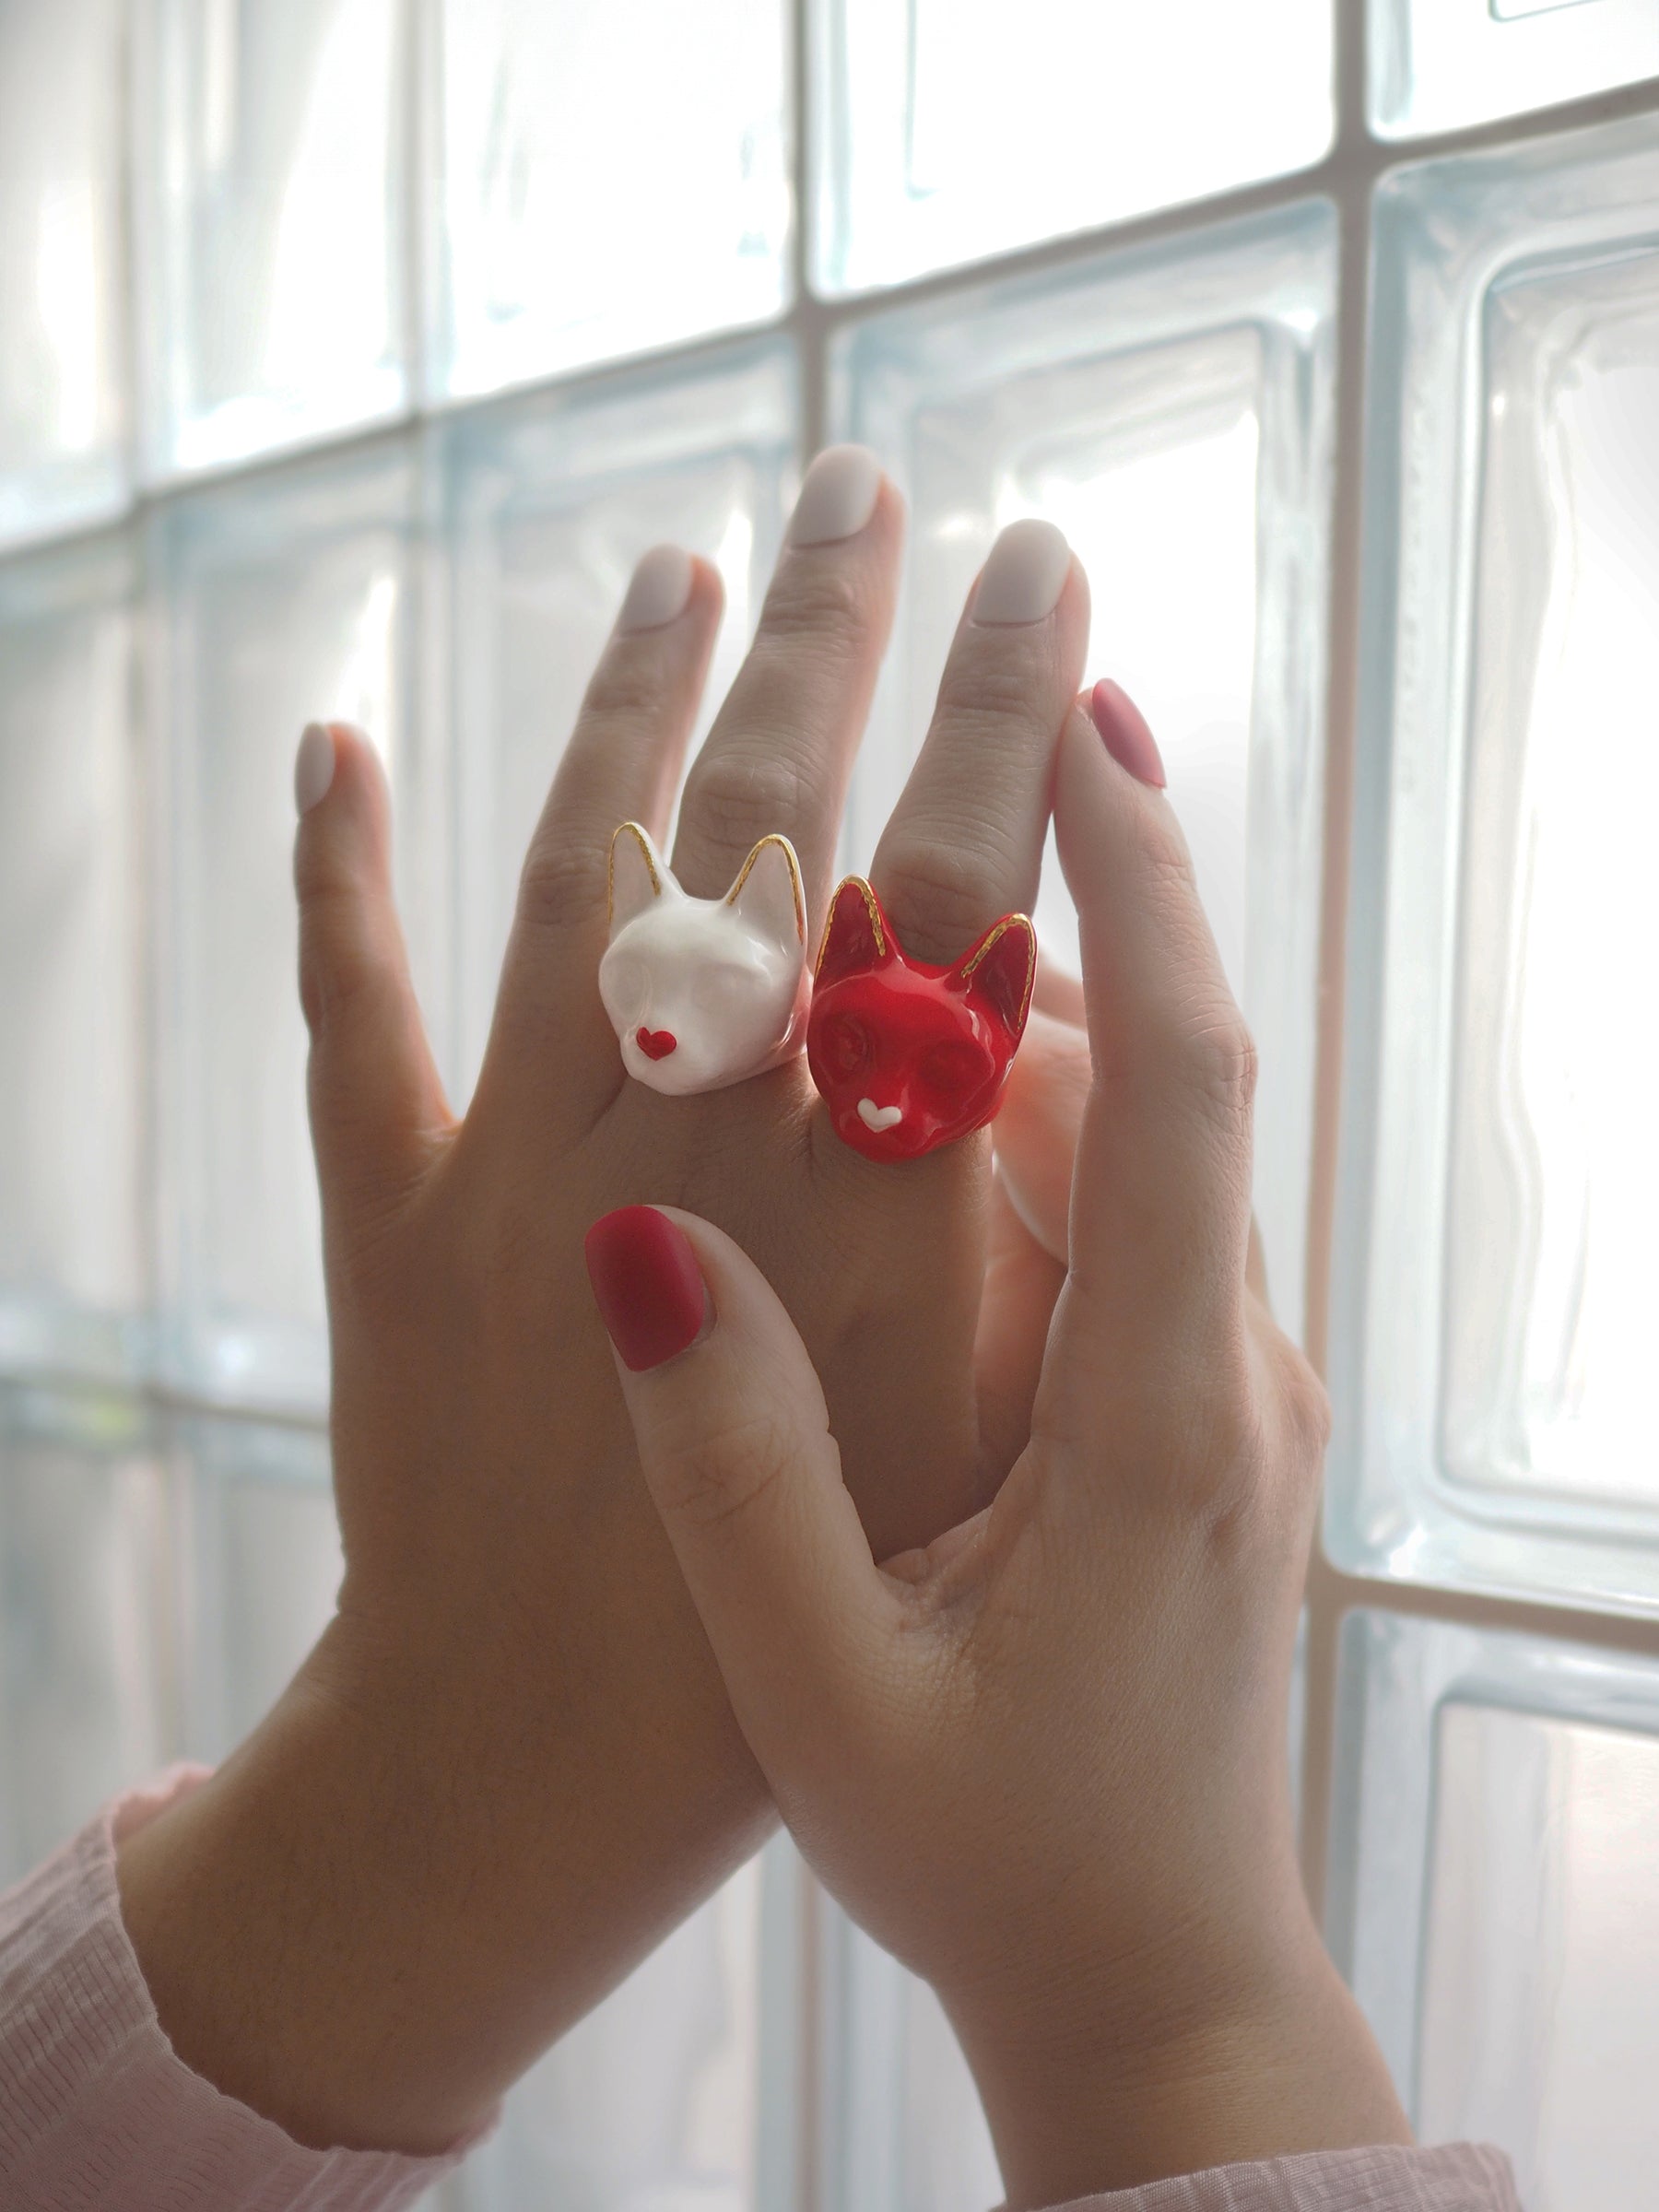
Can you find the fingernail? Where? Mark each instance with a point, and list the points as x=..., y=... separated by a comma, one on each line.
x=1021, y=581
x=647, y=1285
x=1123, y=727
x=658, y=590
x=313, y=766
x=838, y=497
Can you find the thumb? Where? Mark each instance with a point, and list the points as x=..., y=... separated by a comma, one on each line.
x=733, y=1438
x=375, y=1097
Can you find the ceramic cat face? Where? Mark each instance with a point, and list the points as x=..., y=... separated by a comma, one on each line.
x=704, y=992
x=907, y=1055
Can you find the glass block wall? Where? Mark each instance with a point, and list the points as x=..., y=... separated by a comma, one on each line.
x=350, y=353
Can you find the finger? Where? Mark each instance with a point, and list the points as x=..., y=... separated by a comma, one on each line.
x=1255, y=1266
x=1021, y=1283
x=780, y=754
x=964, y=845
x=1059, y=995
x=734, y=1442
x=1036, y=1127
x=375, y=1097
x=622, y=764
x=1160, y=1196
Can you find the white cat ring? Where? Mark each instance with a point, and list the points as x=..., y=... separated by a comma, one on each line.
x=704, y=992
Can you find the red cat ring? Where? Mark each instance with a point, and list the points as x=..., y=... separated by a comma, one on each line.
x=907, y=1055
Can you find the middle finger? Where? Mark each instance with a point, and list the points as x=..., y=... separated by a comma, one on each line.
x=780, y=754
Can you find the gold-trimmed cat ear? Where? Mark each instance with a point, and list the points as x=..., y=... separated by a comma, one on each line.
x=635, y=876
x=769, y=889
x=855, y=932
x=1002, y=968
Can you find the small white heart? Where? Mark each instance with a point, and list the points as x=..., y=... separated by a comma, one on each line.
x=879, y=1117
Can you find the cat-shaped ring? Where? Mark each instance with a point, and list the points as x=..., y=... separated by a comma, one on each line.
x=704, y=992
x=907, y=1055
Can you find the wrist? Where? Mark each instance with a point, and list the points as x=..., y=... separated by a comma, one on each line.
x=1204, y=2064
x=388, y=1902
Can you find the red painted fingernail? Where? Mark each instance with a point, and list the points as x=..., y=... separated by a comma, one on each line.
x=1124, y=728
x=647, y=1284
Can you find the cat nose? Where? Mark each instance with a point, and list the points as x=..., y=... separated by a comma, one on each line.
x=656, y=1044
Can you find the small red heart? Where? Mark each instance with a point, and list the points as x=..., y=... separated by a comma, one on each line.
x=656, y=1044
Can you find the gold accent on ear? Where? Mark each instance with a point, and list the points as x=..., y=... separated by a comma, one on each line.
x=877, y=927
x=776, y=838
x=640, y=837
x=999, y=930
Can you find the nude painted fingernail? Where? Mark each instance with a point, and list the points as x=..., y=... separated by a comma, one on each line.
x=1123, y=731
x=838, y=497
x=658, y=590
x=313, y=766
x=1023, y=579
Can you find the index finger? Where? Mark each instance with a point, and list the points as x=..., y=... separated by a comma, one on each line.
x=1160, y=1197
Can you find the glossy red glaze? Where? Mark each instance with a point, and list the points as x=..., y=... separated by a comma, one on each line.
x=656, y=1044
x=907, y=1055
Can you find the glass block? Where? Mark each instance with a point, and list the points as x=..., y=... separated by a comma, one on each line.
x=63, y=415
x=939, y=138
x=549, y=502
x=288, y=596
x=1499, y=1199
x=654, y=2102
x=1170, y=408
x=1440, y=65
x=71, y=970
x=1495, y=1894
x=85, y=1682
x=257, y=1553
x=608, y=181
x=269, y=183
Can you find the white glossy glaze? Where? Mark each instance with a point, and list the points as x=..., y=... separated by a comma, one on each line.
x=725, y=979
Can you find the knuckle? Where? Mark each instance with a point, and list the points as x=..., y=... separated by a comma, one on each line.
x=938, y=889
x=1221, y=1061
x=992, y=692
x=1310, y=1405
x=708, y=1478
x=335, y=969
x=739, y=796
x=559, y=884
x=815, y=603
x=628, y=685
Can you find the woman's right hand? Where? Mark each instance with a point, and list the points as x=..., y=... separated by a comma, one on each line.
x=1044, y=1759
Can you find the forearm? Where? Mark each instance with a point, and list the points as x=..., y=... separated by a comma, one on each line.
x=379, y=1912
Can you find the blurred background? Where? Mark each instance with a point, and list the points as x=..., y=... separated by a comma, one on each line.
x=350, y=353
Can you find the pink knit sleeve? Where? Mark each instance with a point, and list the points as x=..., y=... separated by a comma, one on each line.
x=97, y=2112
x=1459, y=2177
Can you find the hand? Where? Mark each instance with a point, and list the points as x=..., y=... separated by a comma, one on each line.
x=509, y=1766
x=1044, y=1758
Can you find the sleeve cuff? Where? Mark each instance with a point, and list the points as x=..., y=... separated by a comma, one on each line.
x=1457, y=2177
x=97, y=2111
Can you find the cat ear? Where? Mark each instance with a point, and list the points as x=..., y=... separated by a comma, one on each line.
x=768, y=891
x=1001, y=970
x=856, y=936
x=637, y=875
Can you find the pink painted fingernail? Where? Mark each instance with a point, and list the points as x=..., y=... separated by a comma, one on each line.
x=1122, y=727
